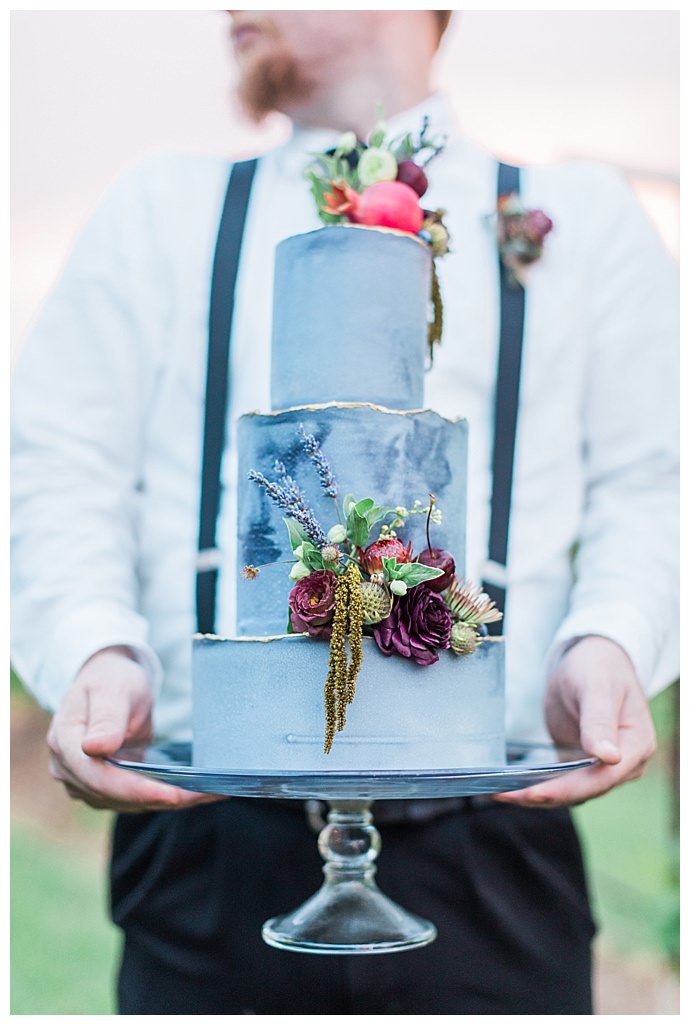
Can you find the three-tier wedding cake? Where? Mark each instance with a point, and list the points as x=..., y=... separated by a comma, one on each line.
x=364, y=633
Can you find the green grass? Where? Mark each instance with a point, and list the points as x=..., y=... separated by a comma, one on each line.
x=632, y=853
x=63, y=947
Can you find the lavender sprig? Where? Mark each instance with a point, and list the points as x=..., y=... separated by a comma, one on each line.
x=284, y=497
x=291, y=486
x=312, y=447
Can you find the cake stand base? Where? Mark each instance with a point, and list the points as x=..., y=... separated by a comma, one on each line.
x=349, y=914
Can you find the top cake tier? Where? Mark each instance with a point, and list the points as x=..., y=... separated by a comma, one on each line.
x=350, y=314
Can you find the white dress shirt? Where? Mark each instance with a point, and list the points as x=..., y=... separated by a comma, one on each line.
x=108, y=415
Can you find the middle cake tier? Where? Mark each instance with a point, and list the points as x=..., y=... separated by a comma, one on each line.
x=391, y=456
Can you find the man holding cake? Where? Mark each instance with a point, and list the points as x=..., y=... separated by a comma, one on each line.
x=109, y=419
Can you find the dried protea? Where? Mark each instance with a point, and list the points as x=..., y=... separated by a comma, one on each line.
x=376, y=603
x=388, y=547
x=468, y=604
x=464, y=638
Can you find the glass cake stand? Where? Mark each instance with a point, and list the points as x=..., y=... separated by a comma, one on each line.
x=349, y=914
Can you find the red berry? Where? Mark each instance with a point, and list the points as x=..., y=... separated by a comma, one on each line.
x=438, y=558
x=389, y=205
x=411, y=174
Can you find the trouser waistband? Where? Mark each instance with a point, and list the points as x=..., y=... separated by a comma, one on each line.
x=392, y=812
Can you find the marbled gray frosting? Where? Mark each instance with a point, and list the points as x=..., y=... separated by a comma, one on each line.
x=350, y=310
x=349, y=348
x=392, y=457
x=259, y=706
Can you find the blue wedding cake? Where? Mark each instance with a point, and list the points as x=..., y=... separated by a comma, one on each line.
x=349, y=347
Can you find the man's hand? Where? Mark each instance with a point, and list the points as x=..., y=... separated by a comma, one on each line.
x=109, y=705
x=594, y=701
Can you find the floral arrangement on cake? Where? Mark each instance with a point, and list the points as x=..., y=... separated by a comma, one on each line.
x=380, y=184
x=359, y=577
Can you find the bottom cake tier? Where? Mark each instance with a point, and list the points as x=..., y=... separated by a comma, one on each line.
x=258, y=705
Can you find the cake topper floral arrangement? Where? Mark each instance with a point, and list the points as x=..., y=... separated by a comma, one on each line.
x=381, y=185
x=358, y=577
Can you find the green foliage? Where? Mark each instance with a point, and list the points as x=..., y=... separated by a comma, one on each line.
x=297, y=535
x=318, y=188
x=411, y=573
x=311, y=556
x=361, y=517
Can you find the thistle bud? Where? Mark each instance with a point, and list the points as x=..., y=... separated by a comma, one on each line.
x=376, y=603
x=329, y=553
x=463, y=639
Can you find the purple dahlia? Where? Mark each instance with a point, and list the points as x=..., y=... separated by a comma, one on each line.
x=418, y=624
x=312, y=603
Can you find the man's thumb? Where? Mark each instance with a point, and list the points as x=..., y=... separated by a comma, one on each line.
x=106, y=726
x=599, y=717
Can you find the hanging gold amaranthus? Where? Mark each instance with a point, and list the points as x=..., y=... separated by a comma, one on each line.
x=341, y=680
x=436, y=324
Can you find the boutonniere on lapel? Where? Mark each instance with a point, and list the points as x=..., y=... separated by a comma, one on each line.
x=520, y=234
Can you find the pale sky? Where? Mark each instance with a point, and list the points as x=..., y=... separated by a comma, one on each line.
x=94, y=91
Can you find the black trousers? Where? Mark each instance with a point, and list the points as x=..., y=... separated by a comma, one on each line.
x=504, y=886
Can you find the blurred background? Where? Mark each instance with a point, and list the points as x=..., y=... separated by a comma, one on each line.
x=92, y=92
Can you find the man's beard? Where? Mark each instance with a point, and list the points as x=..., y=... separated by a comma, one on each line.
x=274, y=83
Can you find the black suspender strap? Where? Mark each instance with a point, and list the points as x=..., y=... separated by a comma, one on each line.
x=512, y=319
x=225, y=265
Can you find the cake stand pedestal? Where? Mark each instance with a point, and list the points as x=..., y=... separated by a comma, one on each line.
x=349, y=914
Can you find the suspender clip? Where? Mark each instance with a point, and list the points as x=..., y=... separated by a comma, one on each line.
x=495, y=573
x=208, y=559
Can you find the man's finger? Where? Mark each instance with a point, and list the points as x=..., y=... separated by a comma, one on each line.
x=102, y=785
x=106, y=725
x=599, y=719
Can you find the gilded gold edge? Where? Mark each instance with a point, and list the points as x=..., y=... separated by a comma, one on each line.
x=281, y=637
x=318, y=406
x=381, y=229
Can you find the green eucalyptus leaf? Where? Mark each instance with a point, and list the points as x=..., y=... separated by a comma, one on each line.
x=297, y=534
x=349, y=503
x=357, y=529
x=390, y=567
x=413, y=573
x=311, y=556
x=362, y=507
x=376, y=514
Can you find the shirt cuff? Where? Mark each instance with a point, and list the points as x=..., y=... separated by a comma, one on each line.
x=85, y=631
x=621, y=623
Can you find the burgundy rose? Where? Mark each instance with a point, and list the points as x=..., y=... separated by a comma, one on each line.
x=312, y=601
x=388, y=548
x=537, y=225
x=419, y=623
